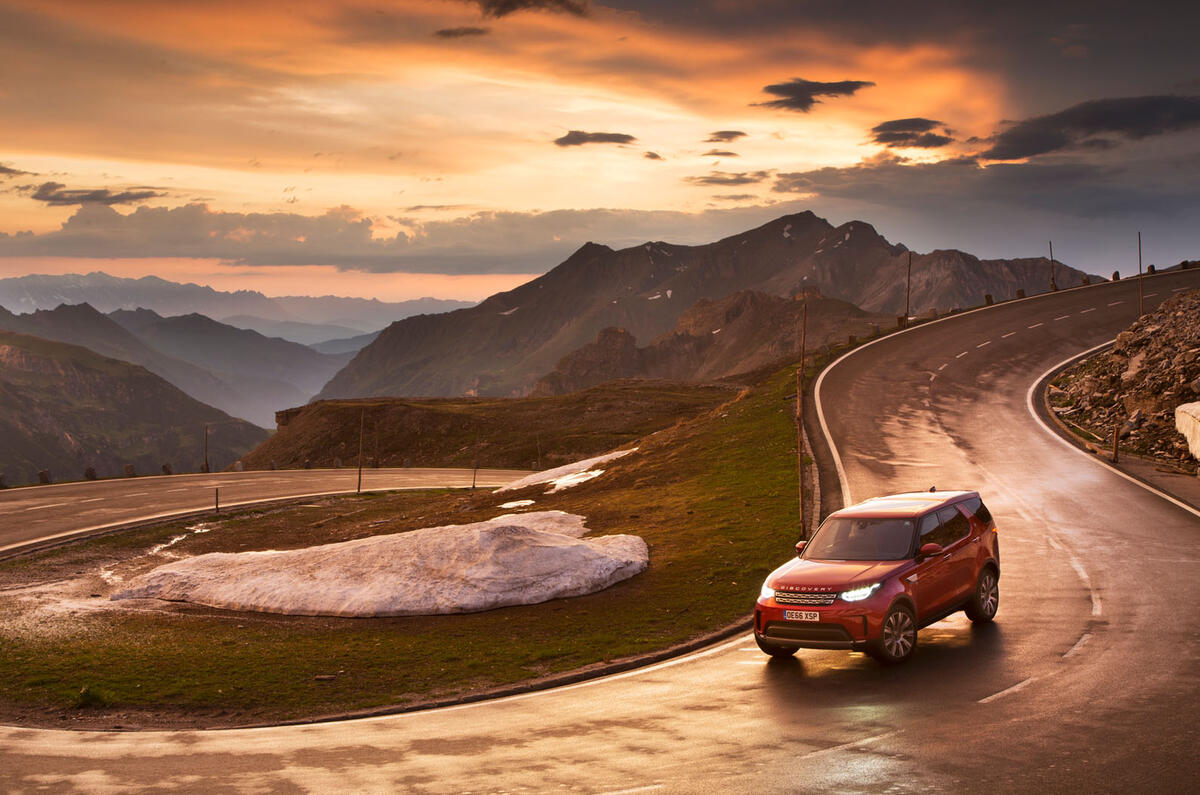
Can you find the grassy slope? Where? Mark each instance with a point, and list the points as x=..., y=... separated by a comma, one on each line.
x=495, y=432
x=713, y=497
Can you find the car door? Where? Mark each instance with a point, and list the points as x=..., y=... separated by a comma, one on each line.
x=934, y=586
x=954, y=534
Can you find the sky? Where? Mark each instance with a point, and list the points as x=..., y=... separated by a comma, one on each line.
x=455, y=148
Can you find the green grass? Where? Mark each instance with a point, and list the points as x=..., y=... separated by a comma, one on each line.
x=714, y=498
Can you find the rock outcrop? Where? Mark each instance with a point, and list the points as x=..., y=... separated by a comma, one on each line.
x=516, y=559
x=1153, y=367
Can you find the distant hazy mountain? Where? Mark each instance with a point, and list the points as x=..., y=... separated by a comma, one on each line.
x=303, y=333
x=501, y=346
x=737, y=334
x=280, y=373
x=347, y=345
x=65, y=408
x=106, y=293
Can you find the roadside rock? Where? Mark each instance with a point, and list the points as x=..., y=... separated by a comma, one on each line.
x=515, y=559
x=1153, y=368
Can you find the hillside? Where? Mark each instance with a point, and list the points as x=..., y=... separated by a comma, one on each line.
x=1153, y=366
x=65, y=408
x=503, y=345
x=500, y=433
x=238, y=356
x=741, y=333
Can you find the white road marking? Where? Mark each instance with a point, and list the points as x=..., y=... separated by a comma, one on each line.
x=1085, y=311
x=136, y=494
x=964, y=353
x=1079, y=644
x=43, y=507
x=1006, y=336
x=1062, y=317
x=92, y=499
x=854, y=744
x=1035, y=325
x=980, y=345
x=1008, y=691
x=1114, y=303
x=1149, y=295
x=944, y=366
x=750, y=662
x=174, y=491
x=1180, y=289
x=647, y=788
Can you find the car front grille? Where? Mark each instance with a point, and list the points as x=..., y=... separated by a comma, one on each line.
x=820, y=598
x=802, y=632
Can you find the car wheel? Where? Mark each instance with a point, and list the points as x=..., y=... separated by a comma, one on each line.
x=986, y=599
x=897, y=637
x=775, y=650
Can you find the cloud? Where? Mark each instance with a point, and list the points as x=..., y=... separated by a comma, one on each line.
x=6, y=171
x=579, y=137
x=729, y=178
x=652, y=156
x=458, y=33
x=799, y=94
x=915, y=132
x=724, y=136
x=719, y=153
x=1094, y=124
x=502, y=8
x=56, y=195
x=735, y=197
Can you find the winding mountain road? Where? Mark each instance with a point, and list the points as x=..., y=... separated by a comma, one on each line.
x=1087, y=681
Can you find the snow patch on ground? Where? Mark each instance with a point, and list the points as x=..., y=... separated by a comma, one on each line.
x=787, y=231
x=513, y=559
x=655, y=297
x=509, y=312
x=517, y=504
x=550, y=475
x=669, y=292
x=716, y=331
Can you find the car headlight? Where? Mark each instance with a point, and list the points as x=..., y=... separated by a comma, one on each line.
x=767, y=592
x=858, y=594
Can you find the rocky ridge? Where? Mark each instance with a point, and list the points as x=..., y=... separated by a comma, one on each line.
x=1134, y=388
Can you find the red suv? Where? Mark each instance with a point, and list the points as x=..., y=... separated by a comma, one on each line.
x=876, y=572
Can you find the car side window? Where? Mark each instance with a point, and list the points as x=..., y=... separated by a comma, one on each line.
x=928, y=528
x=953, y=527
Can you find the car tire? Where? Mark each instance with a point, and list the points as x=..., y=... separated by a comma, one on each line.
x=985, y=601
x=775, y=650
x=897, y=636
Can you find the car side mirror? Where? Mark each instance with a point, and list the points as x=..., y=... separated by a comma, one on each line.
x=800, y=547
x=929, y=550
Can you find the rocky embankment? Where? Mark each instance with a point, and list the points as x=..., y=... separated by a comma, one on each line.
x=1152, y=368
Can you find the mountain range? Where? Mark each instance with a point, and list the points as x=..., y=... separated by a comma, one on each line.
x=304, y=319
x=64, y=408
x=502, y=346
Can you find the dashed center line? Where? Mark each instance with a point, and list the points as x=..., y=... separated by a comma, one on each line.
x=1062, y=317
x=137, y=494
x=1009, y=690
x=1006, y=336
x=944, y=366
x=43, y=507
x=1149, y=295
x=1114, y=303
x=980, y=345
x=92, y=499
x=1179, y=289
x=1035, y=325
x=964, y=353
x=1089, y=309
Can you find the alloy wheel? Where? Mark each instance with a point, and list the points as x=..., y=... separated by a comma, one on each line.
x=899, y=634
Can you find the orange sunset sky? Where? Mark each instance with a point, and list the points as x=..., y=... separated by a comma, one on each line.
x=454, y=149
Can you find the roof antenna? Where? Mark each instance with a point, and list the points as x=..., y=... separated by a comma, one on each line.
x=933, y=488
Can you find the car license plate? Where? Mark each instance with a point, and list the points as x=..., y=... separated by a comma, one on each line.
x=801, y=615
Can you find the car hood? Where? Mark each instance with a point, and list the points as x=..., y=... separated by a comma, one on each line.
x=831, y=575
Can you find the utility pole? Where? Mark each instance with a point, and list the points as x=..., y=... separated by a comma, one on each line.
x=1141, y=311
x=362, y=413
x=206, y=448
x=800, y=418
x=1053, y=286
x=908, y=291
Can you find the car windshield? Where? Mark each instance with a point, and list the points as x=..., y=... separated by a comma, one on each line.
x=854, y=538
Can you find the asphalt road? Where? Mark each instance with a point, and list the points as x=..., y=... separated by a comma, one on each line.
x=1087, y=681
x=56, y=511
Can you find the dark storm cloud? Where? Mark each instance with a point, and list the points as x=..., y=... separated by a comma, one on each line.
x=652, y=156
x=579, y=138
x=800, y=95
x=502, y=8
x=724, y=136
x=1095, y=124
x=719, y=153
x=56, y=195
x=915, y=132
x=729, y=178
x=458, y=33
